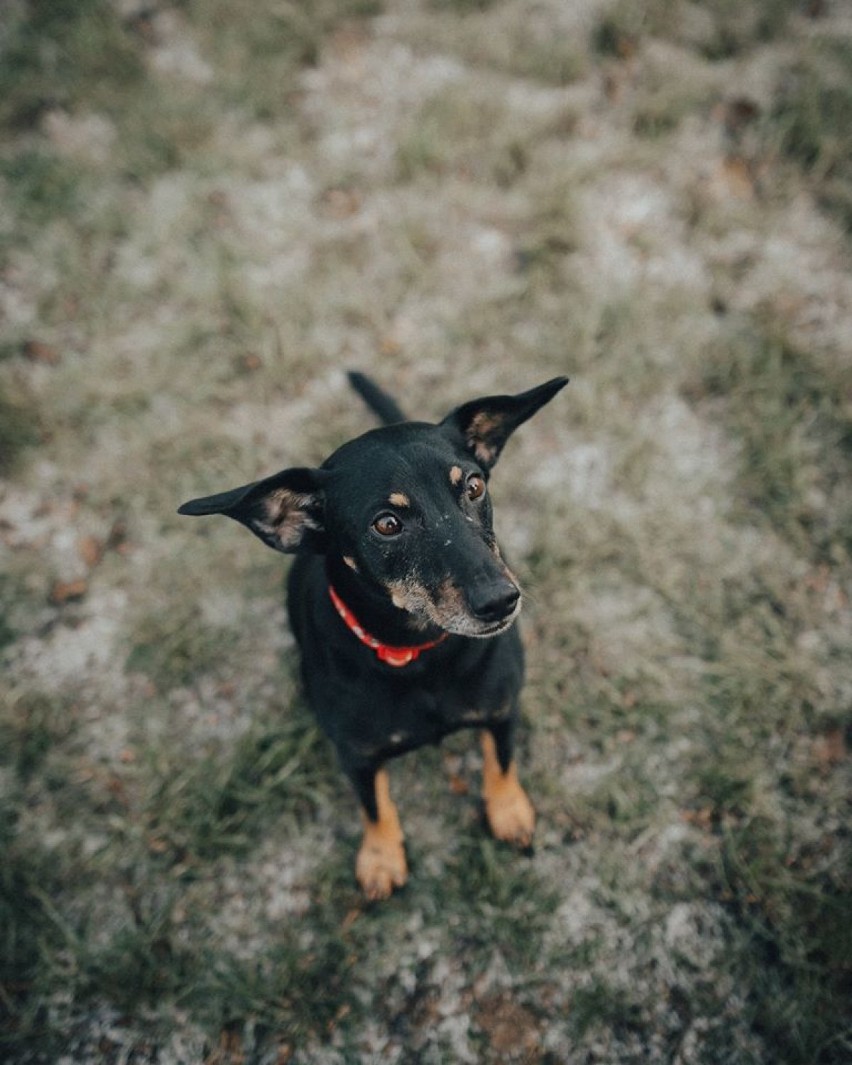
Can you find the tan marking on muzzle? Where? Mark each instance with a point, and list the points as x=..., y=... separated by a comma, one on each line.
x=450, y=600
x=412, y=597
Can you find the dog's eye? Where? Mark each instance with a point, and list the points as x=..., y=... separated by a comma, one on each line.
x=387, y=525
x=475, y=487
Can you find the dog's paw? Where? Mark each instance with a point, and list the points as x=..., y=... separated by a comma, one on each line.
x=380, y=866
x=510, y=814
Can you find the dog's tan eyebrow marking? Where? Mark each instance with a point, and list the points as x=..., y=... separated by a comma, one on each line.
x=455, y=474
x=350, y=562
x=399, y=499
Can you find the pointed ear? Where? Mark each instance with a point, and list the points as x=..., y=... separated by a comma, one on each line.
x=285, y=510
x=486, y=424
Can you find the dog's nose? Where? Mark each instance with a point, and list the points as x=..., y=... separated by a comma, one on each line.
x=494, y=601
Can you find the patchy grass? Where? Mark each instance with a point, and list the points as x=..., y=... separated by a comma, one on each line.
x=42, y=186
x=792, y=417
x=174, y=650
x=209, y=212
x=19, y=429
x=808, y=122
x=448, y=134
x=258, y=51
x=543, y=46
x=63, y=54
x=715, y=29
x=223, y=802
x=29, y=878
x=673, y=86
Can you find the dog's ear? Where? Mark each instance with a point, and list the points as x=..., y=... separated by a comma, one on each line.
x=285, y=510
x=486, y=424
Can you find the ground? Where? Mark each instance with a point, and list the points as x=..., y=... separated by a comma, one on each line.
x=210, y=211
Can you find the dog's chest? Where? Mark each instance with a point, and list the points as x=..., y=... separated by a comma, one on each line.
x=395, y=714
x=395, y=721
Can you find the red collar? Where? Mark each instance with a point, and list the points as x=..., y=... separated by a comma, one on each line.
x=391, y=656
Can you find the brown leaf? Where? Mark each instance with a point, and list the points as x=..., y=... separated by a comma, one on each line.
x=38, y=351
x=458, y=785
x=117, y=538
x=510, y=1027
x=390, y=346
x=830, y=749
x=68, y=591
x=90, y=550
x=735, y=176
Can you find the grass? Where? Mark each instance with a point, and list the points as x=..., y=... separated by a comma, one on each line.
x=19, y=428
x=210, y=211
x=29, y=877
x=788, y=1002
x=792, y=419
x=222, y=803
x=44, y=186
x=807, y=123
x=173, y=651
x=716, y=29
x=59, y=54
x=506, y=38
x=447, y=132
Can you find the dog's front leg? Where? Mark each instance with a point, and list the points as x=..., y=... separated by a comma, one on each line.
x=381, y=865
x=510, y=813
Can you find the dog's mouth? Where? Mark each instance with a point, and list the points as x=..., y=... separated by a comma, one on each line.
x=451, y=611
x=476, y=631
x=469, y=625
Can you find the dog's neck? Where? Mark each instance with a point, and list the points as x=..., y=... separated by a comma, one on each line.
x=391, y=655
x=375, y=611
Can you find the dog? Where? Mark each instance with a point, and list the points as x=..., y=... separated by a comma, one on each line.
x=401, y=603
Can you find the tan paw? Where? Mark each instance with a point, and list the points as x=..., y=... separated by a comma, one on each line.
x=381, y=865
x=510, y=814
x=509, y=811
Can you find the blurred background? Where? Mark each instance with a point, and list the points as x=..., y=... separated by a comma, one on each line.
x=209, y=211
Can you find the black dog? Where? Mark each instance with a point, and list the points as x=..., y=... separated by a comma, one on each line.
x=401, y=604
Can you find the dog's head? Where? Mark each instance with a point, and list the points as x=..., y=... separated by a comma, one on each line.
x=406, y=510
